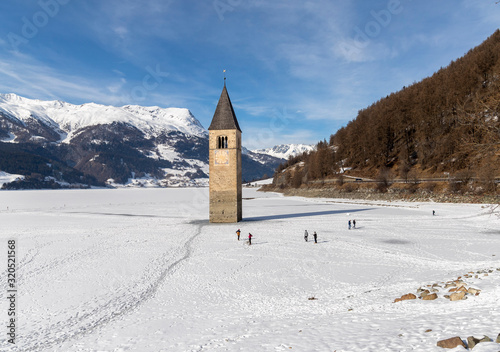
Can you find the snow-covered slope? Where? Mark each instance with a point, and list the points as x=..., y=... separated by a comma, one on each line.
x=67, y=118
x=5, y=177
x=284, y=151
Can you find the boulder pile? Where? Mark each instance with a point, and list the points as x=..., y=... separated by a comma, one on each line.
x=472, y=341
x=454, y=290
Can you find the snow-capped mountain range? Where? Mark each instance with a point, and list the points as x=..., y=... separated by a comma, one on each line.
x=284, y=151
x=99, y=144
x=67, y=119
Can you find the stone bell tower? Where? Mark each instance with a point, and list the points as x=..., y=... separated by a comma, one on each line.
x=225, y=163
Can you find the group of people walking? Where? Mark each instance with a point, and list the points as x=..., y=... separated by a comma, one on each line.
x=353, y=223
x=315, y=236
x=238, y=233
x=306, y=234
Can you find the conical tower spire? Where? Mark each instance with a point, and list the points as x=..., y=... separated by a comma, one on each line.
x=224, y=116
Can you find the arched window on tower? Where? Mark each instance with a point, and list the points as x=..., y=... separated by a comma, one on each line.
x=222, y=142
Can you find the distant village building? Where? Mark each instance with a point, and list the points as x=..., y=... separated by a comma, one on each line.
x=225, y=163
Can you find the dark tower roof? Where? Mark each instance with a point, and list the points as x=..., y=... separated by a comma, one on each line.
x=224, y=116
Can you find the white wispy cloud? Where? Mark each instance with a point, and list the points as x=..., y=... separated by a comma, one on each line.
x=120, y=31
x=253, y=109
x=117, y=86
x=27, y=76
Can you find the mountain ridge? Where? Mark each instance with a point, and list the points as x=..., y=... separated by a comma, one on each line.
x=69, y=117
x=104, y=144
x=285, y=151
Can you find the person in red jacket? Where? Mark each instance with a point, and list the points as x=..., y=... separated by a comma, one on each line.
x=250, y=238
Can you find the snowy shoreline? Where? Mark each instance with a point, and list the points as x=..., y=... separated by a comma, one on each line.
x=373, y=195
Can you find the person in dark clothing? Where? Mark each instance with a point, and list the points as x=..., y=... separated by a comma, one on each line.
x=354, y=223
x=238, y=233
x=433, y=212
x=250, y=238
x=315, y=235
x=306, y=235
x=349, y=224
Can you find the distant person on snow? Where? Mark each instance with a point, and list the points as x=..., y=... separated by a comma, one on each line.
x=354, y=223
x=315, y=235
x=306, y=235
x=250, y=239
x=433, y=212
x=238, y=233
x=349, y=224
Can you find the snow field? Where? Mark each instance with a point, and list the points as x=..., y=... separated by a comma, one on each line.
x=143, y=270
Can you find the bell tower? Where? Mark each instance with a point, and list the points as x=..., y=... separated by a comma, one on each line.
x=225, y=163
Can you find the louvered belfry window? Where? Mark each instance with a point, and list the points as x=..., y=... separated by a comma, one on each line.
x=222, y=142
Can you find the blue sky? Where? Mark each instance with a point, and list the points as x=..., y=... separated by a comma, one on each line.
x=296, y=70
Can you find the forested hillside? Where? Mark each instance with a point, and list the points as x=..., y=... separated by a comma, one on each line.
x=445, y=124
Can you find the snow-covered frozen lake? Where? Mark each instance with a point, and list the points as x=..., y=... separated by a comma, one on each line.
x=143, y=270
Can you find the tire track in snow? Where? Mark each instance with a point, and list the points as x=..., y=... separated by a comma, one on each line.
x=86, y=323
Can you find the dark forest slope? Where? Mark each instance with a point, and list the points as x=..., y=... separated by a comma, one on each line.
x=448, y=122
